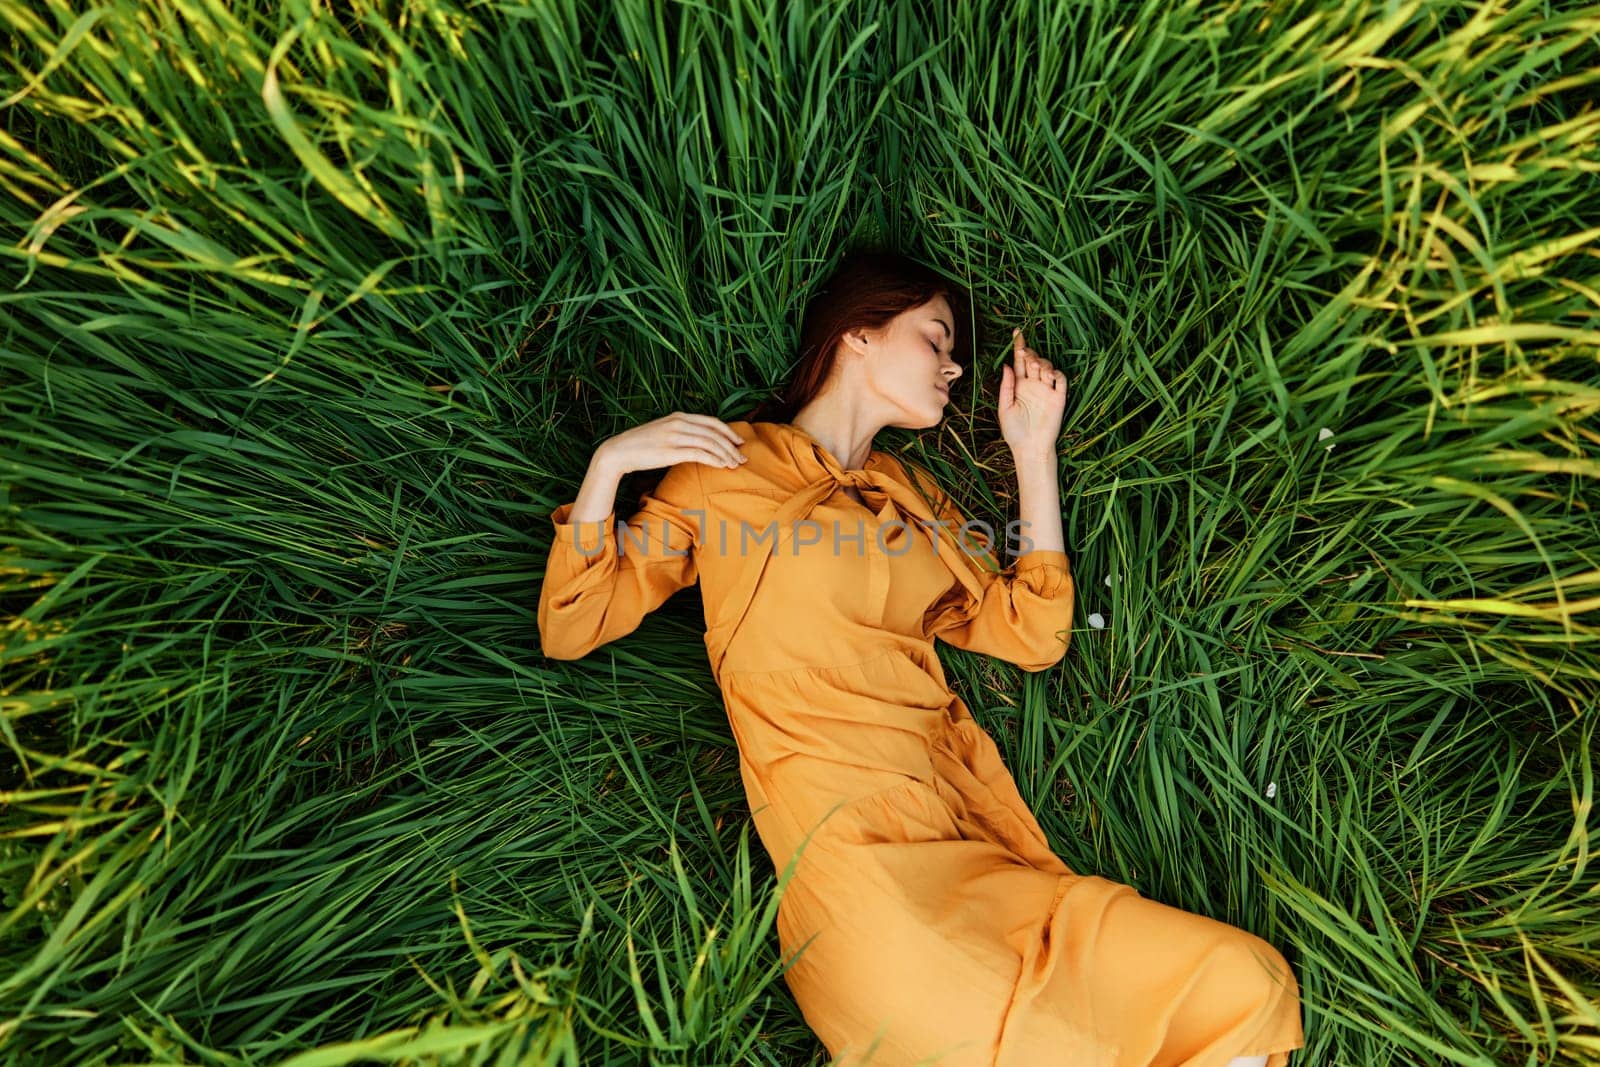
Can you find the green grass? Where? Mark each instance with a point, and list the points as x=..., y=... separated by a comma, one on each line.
x=311, y=316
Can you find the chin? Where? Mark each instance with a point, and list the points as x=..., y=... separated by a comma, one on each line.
x=923, y=422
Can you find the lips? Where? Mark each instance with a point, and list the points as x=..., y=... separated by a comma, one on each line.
x=945, y=389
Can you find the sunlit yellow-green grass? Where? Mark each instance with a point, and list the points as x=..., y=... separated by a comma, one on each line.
x=312, y=312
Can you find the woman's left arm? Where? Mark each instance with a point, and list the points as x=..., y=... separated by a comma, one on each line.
x=1024, y=615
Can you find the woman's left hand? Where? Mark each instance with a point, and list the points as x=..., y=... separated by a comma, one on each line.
x=1033, y=398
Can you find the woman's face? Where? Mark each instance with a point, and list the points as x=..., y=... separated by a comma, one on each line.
x=907, y=366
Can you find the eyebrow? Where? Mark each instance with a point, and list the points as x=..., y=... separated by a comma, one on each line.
x=946, y=325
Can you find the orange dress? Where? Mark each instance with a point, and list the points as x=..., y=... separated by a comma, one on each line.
x=931, y=920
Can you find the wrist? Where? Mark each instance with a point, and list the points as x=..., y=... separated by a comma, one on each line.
x=1036, y=462
x=603, y=466
x=1036, y=448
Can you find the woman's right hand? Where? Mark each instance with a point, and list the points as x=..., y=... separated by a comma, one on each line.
x=672, y=439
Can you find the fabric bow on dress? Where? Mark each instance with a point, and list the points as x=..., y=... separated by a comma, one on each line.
x=885, y=486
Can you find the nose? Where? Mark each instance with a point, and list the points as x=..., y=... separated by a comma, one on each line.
x=951, y=369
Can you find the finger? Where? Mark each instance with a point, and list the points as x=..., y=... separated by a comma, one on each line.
x=1017, y=346
x=716, y=424
x=707, y=438
x=1028, y=359
x=1008, y=386
x=713, y=458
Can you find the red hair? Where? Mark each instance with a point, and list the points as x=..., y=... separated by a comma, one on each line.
x=869, y=287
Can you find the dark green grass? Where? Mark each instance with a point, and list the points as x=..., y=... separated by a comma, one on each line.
x=311, y=316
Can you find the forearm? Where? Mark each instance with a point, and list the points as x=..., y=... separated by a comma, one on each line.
x=1039, y=503
x=597, y=496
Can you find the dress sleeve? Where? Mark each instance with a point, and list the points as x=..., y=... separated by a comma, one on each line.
x=601, y=579
x=1024, y=615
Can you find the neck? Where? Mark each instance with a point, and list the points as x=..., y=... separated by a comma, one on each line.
x=847, y=435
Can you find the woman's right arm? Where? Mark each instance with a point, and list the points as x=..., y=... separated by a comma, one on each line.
x=595, y=589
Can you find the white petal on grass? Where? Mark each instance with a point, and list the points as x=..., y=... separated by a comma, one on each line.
x=1323, y=434
x=1272, y=790
x=1098, y=621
